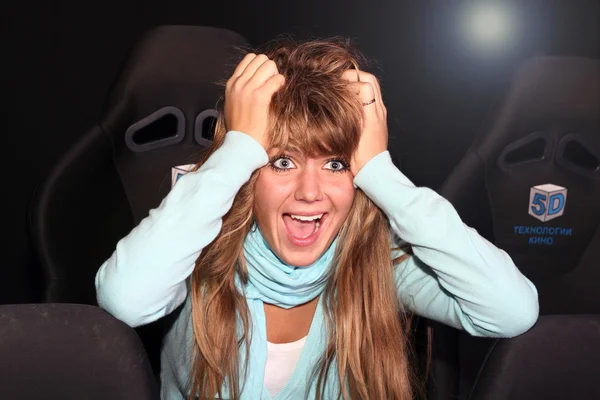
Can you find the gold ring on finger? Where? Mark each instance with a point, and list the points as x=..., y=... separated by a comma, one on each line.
x=369, y=102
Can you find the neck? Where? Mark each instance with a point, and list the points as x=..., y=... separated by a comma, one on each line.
x=289, y=325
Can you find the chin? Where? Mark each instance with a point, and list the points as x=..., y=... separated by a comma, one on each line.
x=303, y=257
x=300, y=260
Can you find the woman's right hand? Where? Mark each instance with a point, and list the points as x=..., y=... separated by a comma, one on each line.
x=248, y=96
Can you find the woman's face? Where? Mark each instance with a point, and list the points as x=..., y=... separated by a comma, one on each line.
x=301, y=203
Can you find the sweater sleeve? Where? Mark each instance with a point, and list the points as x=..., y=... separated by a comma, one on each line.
x=454, y=275
x=145, y=278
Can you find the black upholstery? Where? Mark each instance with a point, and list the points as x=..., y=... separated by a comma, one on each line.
x=557, y=359
x=547, y=131
x=67, y=351
x=159, y=114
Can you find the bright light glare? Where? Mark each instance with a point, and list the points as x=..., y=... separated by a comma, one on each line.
x=488, y=26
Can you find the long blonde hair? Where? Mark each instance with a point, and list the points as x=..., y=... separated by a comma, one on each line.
x=367, y=328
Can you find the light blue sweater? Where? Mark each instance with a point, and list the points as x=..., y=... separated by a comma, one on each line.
x=454, y=276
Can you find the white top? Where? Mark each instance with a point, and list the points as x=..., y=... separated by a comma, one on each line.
x=281, y=361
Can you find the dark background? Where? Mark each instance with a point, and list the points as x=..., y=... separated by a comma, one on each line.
x=59, y=59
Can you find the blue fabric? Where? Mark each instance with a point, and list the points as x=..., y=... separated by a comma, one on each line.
x=453, y=275
x=275, y=282
x=270, y=280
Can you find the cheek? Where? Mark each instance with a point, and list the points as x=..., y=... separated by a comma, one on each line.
x=269, y=195
x=347, y=201
x=342, y=195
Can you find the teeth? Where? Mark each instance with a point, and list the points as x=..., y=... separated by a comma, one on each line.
x=306, y=217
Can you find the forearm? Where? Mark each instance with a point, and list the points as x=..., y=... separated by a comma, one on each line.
x=145, y=277
x=468, y=275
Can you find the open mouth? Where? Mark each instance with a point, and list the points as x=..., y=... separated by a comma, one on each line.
x=303, y=230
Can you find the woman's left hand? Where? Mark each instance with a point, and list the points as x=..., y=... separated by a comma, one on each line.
x=374, y=135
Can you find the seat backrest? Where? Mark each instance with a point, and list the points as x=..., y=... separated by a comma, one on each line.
x=66, y=351
x=530, y=183
x=536, y=173
x=556, y=359
x=159, y=114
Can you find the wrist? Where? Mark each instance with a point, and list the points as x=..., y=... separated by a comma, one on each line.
x=358, y=163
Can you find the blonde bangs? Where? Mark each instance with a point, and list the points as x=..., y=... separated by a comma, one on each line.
x=315, y=113
x=316, y=128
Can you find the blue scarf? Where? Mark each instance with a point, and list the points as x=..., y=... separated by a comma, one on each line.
x=272, y=281
x=275, y=282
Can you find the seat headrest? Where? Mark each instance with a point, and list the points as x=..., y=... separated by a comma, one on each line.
x=546, y=92
x=176, y=66
x=530, y=182
x=84, y=352
x=160, y=112
x=542, y=158
x=556, y=359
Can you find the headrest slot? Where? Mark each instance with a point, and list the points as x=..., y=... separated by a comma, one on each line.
x=204, y=127
x=163, y=127
x=576, y=154
x=531, y=148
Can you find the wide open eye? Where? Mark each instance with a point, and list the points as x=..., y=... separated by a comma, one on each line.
x=282, y=163
x=336, y=165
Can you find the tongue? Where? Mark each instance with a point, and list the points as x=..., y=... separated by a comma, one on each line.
x=299, y=229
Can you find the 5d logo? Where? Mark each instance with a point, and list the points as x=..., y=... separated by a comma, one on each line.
x=547, y=201
x=179, y=171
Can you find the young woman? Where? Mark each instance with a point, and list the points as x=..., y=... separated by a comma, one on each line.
x=298, y=249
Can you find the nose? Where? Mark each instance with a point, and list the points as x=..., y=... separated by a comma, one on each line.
x=308, y=185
